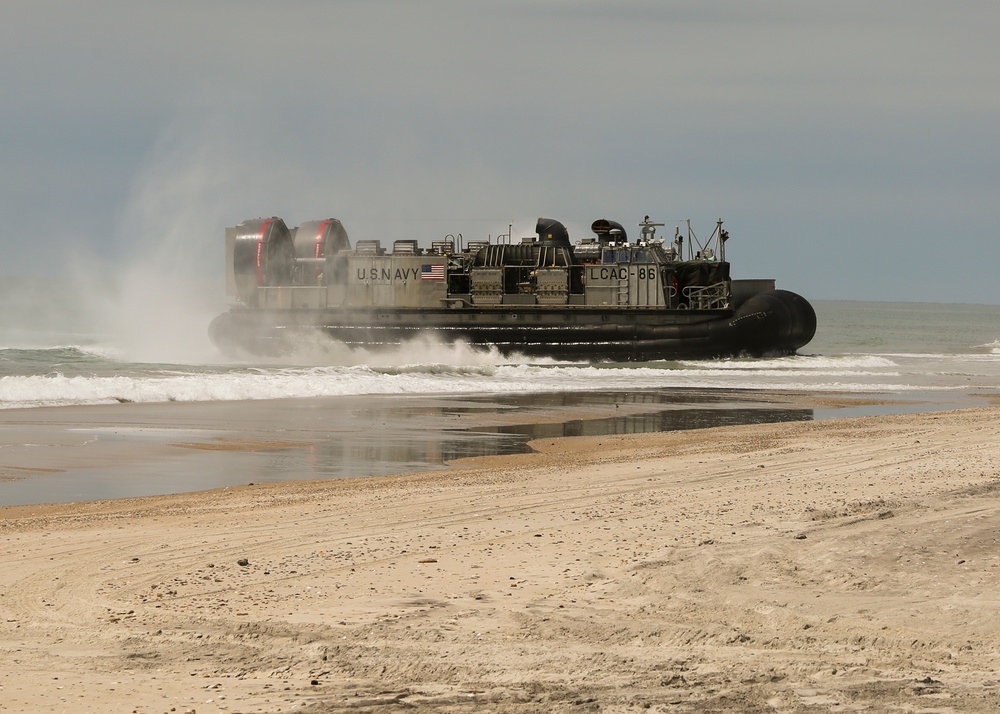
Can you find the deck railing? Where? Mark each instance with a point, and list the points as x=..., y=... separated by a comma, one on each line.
x=707, y=297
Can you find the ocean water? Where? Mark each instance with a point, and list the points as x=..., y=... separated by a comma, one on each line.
x=860, y=347
x=360, y=414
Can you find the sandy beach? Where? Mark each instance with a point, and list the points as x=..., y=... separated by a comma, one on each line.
x=843, y=565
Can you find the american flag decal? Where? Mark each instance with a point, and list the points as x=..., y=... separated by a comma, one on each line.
x=432, y=272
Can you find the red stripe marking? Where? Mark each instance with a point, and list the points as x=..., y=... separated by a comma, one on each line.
x=260, y=249
x=319, y=238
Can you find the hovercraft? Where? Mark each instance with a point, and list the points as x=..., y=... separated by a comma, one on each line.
x=603, y=298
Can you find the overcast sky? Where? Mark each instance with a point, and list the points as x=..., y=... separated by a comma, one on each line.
x=852, y=147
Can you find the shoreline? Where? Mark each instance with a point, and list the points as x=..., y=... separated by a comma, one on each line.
x=76, y=454
x=838, y=564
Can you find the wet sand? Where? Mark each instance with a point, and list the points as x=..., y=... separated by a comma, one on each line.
x=86, y=453
x=840, y=565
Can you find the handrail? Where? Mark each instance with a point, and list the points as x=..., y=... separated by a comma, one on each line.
x=708, y=297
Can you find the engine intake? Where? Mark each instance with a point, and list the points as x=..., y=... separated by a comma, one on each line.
x=551, y=232
x=609, y=231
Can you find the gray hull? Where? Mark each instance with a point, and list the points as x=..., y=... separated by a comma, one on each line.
x=775, y=322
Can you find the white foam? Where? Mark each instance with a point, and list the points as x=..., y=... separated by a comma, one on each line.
x=427, y=367
x=274, y=383
x=807, y=362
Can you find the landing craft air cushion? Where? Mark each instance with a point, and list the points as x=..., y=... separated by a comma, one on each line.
x=604, y=298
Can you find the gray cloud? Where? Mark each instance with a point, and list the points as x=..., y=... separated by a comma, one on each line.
x=849, y=146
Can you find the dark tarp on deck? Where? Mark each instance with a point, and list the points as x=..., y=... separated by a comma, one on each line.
x=701, y=272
